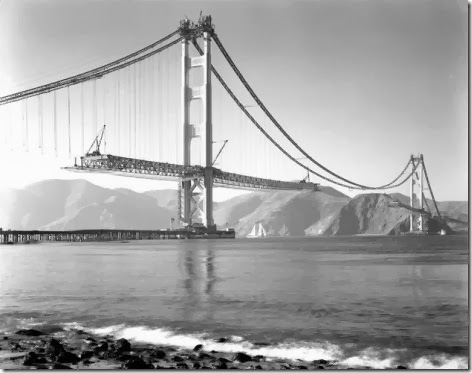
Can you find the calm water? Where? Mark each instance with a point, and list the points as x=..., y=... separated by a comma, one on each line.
x=378, y=301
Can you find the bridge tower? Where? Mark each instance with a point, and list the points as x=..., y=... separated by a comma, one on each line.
x=416, y=193
x=196, y=193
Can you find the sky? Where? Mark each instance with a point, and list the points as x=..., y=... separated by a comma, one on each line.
x=361, y=85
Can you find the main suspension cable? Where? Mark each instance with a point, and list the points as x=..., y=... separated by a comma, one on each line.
x=80, y=77
x=253, y=120
x=274, y=121
x=426, y=203
x=429, y=187
x=45, y=89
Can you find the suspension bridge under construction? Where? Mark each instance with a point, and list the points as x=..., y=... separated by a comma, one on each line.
x=164, y=112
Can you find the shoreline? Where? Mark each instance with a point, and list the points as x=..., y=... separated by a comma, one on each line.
x=77, y=349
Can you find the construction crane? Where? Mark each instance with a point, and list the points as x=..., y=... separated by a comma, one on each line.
x=97, y=141
x=224, y=143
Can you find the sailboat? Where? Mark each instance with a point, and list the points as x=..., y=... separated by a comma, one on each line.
x=257, y=231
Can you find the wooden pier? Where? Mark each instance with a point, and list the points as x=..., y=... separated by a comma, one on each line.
x=95, y=235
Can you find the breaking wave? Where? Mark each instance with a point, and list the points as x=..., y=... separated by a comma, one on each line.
x=306, y=351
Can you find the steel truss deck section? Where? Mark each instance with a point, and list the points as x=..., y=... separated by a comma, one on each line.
x=137, y=167
x=231, y=180
x=168, y=171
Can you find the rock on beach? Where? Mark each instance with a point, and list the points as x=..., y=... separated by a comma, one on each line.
x=30, y=349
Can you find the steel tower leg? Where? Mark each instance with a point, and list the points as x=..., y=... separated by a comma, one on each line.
x=412, y=186
x=207, y=148
x=421, y=217
x=416, y=190
x=197, y=193
x=185, y=194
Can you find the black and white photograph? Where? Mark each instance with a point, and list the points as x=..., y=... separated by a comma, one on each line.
x=234, y=184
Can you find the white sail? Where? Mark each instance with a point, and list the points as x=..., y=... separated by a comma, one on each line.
x=257, y=231
x=253, y=232
x=262, y=231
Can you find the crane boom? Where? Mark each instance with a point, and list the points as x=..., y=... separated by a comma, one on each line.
x=98, y=142
x=225, y=141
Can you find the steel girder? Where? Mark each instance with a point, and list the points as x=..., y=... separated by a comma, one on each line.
x=123, y=166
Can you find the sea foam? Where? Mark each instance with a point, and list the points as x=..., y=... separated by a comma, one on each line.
x=305, y=351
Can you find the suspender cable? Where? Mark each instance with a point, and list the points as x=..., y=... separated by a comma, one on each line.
x=115, y=116
x=145, y=109
x=426, y=203
x=82, y=150
x=169, y=127
x=164, y=106
x=135, y=107
x=429, y=187
x=152, y=131
x=68, y=119
x=55, y=124
x=76, y=79
x=104, y=101
x=104, y=140
x=158, y=123
x=294, y=143
x=141, y=123
x=94, y=109
x=23, y=126
x=40, y=122
x=175, y=107
x=251, y=118
x=26, y=125
x=129, y=112
x=118, y=130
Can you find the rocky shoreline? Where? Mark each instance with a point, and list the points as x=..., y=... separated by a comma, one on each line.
x=57, y=348
x=60, y=349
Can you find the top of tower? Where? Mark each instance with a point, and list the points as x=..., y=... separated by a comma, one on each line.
x=189, y=29
x=186, y=28
x=204, y=23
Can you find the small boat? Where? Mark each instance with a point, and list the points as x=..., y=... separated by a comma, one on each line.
x=442, y=232
x=257, y=231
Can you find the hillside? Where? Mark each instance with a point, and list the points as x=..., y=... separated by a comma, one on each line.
x=78, y=204
x=370, y=214
x=280, y=212
x=454, y=209
x=366, y=214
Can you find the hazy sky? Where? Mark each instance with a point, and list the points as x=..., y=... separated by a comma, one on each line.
x=360, y=85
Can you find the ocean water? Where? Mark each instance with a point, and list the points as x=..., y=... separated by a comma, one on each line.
x=362, y=301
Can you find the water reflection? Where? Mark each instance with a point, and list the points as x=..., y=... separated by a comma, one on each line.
x=417, y=281
x=211, y=279
x=416, y=278
x=197, y=268
x=190, y=278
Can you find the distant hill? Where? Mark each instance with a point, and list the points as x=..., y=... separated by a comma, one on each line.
x=371, y=214
x=164, y=198
x=454, y=209
x=280, y=212
x=78, y=204
x=366, y=214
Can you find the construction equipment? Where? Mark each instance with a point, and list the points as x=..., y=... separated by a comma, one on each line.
x=98, y=142
x=224, y=143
